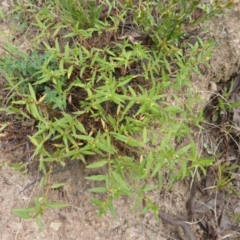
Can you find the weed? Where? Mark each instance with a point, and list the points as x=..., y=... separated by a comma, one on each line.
x=94, y=92
x=41, y=204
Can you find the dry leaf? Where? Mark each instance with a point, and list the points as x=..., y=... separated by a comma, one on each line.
x=206, y=203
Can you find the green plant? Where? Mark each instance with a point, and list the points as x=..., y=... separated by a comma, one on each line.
x=108, y=99
x=41, y=204
x=82, y=13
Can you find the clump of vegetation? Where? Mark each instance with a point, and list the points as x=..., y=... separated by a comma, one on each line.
x=104, y=79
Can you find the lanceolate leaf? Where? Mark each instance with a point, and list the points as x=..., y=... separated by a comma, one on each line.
x=96, y=178
x=98, y=190
x=97, y=164
x=57, y=205
x=25, y=213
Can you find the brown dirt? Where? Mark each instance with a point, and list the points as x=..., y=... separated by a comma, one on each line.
x=80, y=220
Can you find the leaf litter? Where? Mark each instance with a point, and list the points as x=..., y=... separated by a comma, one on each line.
x=210, y=198
x=215, y=194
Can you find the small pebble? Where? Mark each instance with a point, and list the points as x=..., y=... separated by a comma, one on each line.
x=55, y=225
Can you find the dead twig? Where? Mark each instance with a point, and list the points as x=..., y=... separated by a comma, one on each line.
x=190, y=201
x=179, y=223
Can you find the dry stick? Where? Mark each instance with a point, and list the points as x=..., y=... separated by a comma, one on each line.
x=179, y=223
x=155, y=229
x=54, y=172
x=190, y=201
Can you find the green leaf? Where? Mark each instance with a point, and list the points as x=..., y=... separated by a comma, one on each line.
x=57, y=47
x=149, y=188
x=183, y=150
x=97, y=164
x=80, y=127
x=110, y=206
x=149, y=163
x=97, y=202
x=156, y=169
x=137, y=203
x=96, y=178
x=145, y=139
x=61, y=66
x=18, y=102
x=145, y=209
x=35, y=111
x=32, y=92
x=83, y=137
x=120, y=137
x=98, y=190
x=39, y=223
x=2, y=16
x=134, y=142
x=24, y=212
x=183, y=169
x=235, y=104
x=69, y=72
x=56, y=205
x=57, y=185
x=121, y=182
x=3, y=125
x=125, y=80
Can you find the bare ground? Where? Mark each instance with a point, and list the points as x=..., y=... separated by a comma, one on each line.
x=80, y=221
